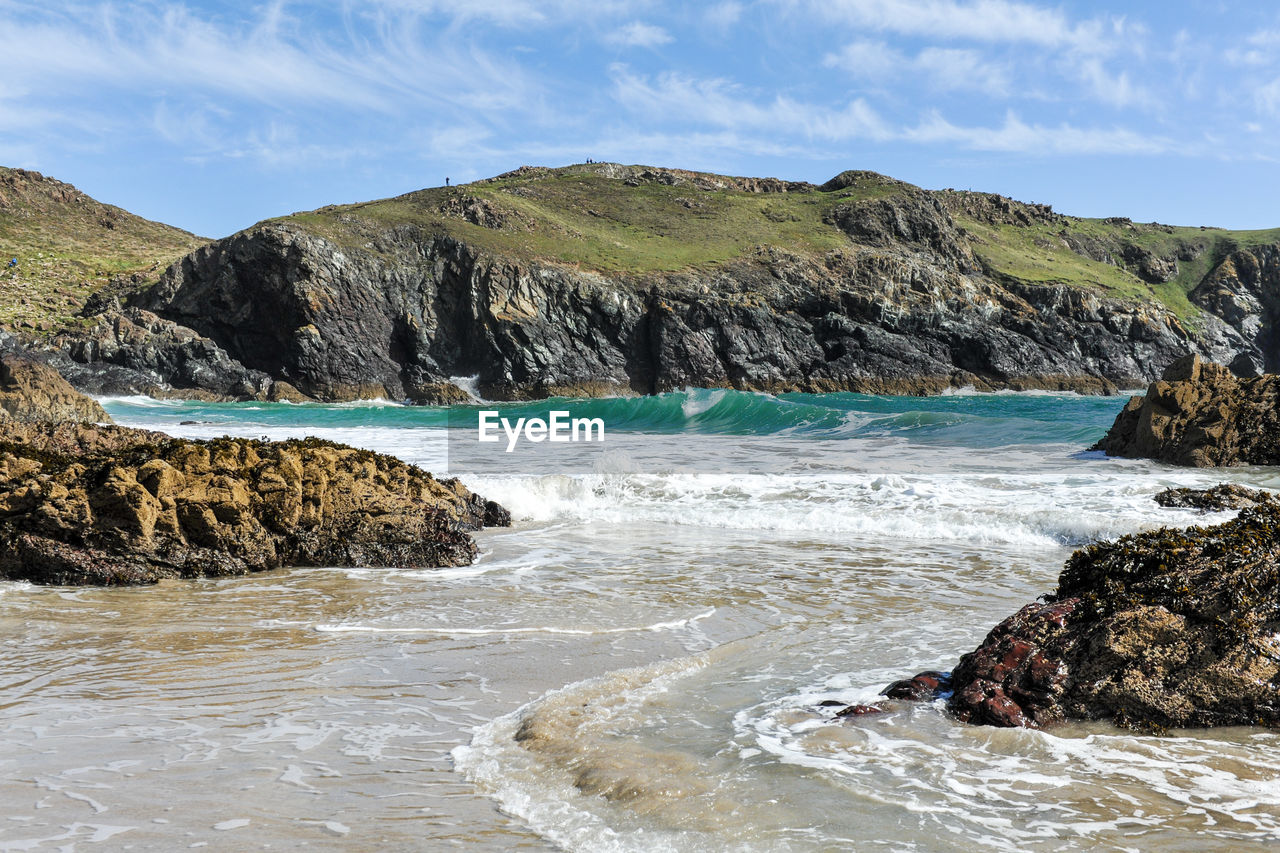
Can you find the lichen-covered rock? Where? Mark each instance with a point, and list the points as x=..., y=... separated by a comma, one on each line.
x=1200, y=414
x=1172, y=628
x=119, y=506
x=32, y=392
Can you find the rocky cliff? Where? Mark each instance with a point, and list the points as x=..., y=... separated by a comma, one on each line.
x=32, y=392
x=619, y=280
x=609, y=279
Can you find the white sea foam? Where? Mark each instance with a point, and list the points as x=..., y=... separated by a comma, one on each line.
x=141, y=400
x=969, y=779
x=970, y=391
x=1014, y=509
x=470, y=384
x=670, y=625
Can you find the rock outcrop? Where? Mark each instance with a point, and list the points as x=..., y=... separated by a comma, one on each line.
x=1216, y=499
x=611, y=279
x=1200, y=414
x=33, y=392
x=400, y=318
x=132, y=351
x=108, y=505
x=1167, y=629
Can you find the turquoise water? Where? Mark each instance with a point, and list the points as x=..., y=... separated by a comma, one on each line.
x=963, y=420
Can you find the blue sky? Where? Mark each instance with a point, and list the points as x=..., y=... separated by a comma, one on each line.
x=212, y=116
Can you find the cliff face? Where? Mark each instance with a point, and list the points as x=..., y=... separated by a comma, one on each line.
x=609, y=279
x=865, y=284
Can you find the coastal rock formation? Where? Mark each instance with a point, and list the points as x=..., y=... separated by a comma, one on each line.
x=132, y=351
x=108, y=505
x=611, y=279
x=1172, y=628
x=395, y=310
x=1215, y=499
x=1200, y=414
x=32, y=392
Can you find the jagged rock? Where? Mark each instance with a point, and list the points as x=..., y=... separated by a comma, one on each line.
x=998, y=210
x=1217, y=498
x=914, y=218
x=32, y=392
x=1244, y=290
x=86, y=505
x=1200, y=414
x=1172, y=628
x=136, y=352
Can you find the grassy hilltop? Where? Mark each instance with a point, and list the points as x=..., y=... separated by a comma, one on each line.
x=68, y=245
x=639, y=220
x=623, y=220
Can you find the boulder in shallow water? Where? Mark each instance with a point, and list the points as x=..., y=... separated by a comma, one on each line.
x=1199, y=414
x=1171, y=628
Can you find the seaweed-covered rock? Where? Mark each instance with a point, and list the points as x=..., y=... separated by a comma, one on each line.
x=1200, y=414
x=89, y=505
x=1221, y=497
x=1171, y=628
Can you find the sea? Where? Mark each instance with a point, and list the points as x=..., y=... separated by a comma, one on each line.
x=638, y=663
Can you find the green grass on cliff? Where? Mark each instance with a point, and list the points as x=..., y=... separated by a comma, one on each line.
x=69, y=245
x=584, y=218
x=1040, y=253
x=635, y=220
x=617, y=220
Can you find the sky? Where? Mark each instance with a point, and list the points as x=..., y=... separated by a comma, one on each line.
x=212, y=116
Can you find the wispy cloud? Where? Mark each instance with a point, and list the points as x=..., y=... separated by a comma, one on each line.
x=1116, y=89
x=977, y=20
x=639, y=34
x=944, y=69
x=723, y=15
x=1017, y=136
x=723, y=104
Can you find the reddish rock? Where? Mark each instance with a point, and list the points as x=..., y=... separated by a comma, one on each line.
x=921, y=688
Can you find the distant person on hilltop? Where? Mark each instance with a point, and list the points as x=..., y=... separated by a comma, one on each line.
x=446, y=182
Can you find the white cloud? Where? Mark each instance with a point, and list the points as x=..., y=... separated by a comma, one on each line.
x=639, y=34
x=944, y=69
x=1266, y=98
x=1016, y=136
x=175, y=54
x=720, y=103
x=789, y=123
x=503, y=13
x=977, y=20
x=1259, y=49
x=722, y=16
x=1114, y=89
x=867, y=59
